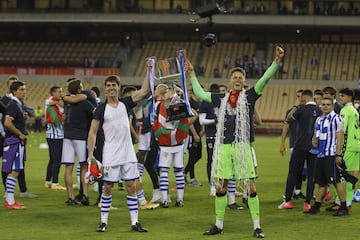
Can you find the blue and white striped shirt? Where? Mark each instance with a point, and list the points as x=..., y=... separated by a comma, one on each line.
x=53, y=131
x=326, y=128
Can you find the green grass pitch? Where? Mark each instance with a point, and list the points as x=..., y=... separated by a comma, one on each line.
x=47, y=217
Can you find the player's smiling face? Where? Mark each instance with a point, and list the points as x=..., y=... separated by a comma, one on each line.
x=237, y=81
x=112, y=89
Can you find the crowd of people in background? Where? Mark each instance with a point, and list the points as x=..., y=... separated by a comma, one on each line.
x=324, y=146
x=325, y=8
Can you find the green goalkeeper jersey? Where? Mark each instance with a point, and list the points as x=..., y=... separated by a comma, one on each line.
x=351, y=128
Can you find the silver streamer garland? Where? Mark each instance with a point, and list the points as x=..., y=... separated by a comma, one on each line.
x=241, y=143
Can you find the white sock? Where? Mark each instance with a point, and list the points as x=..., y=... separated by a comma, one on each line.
x=219, y=224
x=231, y=198
x=256, y=224
x=141, y=197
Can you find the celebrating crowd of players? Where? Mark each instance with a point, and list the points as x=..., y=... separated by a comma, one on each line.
x=323, y=136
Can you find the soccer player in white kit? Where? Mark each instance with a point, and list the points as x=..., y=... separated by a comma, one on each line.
x=119, y=158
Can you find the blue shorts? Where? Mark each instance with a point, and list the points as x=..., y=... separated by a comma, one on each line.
x=14, y=155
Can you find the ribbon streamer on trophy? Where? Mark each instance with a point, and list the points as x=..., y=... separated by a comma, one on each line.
x=151, y=79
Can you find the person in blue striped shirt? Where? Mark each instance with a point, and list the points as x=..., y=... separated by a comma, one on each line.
x=328, y=139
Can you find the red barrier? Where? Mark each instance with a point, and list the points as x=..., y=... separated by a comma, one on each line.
x=59, y=71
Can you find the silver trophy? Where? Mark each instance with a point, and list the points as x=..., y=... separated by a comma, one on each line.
x=171, y=71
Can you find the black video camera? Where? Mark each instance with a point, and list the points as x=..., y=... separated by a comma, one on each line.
x=210, y=39
x=346, y=175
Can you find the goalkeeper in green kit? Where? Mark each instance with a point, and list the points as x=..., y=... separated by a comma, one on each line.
x=235, y=133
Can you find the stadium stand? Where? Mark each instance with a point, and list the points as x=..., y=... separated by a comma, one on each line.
x=59, y=54
x=214, y=57
x=163, y=50
x=341, y=60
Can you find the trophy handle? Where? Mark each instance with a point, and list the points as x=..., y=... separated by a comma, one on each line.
x=182, y=59
x=183, y=51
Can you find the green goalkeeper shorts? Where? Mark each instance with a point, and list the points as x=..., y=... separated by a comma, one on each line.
x=352, y=160
x=229, y=163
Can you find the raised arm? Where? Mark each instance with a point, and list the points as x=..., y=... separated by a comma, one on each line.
x=74, y=98
x=198, y=90
x=145, y=87
x=259, y=86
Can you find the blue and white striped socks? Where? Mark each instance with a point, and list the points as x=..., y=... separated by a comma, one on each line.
x=231, y=191
x=164, y=184
x=105, y=207
x=141, y=170
x=132, y=203
x=10, y=189
x=180, y=182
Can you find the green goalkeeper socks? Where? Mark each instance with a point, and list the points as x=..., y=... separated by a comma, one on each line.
x=220, y=206
x=254, y=207
x=349, y=193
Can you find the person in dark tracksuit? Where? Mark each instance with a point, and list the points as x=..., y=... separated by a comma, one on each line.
x=305, y=116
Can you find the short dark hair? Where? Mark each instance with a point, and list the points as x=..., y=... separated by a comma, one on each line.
x=348, y=92
x=307, y=92
x=16, y=85
x=74, y=86
x=223, y=85
x=330, y=90
x=318, y=92
x=214, y=88
x=53, y=89
x=12, y=77
x=112, y=78
x=70, y=79
x=96, y=90
x=128, y=89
